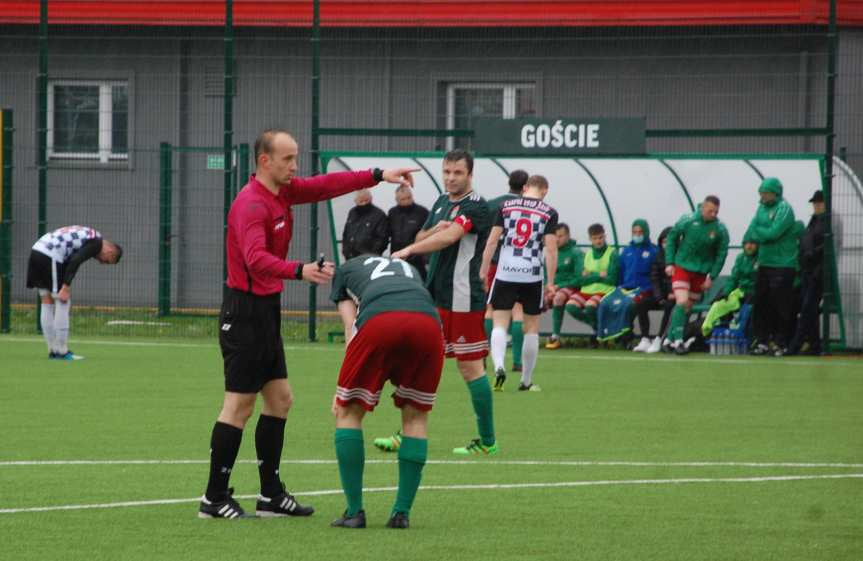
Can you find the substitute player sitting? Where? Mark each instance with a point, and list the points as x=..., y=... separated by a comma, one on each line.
x=527, y=226
x=599, y=277
x=394, y=333
x=54, y=261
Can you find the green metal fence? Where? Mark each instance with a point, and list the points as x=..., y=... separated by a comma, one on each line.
x=406, y=87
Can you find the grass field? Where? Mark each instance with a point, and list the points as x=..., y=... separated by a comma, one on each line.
x=620, y=457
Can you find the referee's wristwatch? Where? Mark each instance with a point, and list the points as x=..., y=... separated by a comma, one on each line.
x=378, y=174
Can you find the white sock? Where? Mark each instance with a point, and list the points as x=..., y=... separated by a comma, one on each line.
x=498, y=347
x=529, y=351
x=61, y=326
x=46, y=318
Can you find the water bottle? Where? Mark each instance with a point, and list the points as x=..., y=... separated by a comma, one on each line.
x=712, y=342
x=725, y=345
x=719, y=341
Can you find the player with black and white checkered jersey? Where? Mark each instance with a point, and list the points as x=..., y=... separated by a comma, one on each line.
x=527, y=226
x=54, y=261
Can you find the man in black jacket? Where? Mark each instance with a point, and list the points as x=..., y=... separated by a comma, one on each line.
x=811, y=278
x=366, y=227
x=405, y=220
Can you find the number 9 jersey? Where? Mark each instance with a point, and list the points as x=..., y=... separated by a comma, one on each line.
x=525, y=222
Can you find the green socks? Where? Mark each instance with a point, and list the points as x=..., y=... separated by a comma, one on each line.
x=480, y=395
x=487, y=325
x=590, y=316
x=575, y=312
x=517, y=333
x=352, y=457
x=556, y=320
x=412, y=458
x=678, y=322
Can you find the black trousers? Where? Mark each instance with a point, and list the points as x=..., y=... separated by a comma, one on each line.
x=808, y=328
x=774, y=288
x=641, y=312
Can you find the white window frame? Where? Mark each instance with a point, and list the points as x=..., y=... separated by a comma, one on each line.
x=104, y=154
x=509, y=91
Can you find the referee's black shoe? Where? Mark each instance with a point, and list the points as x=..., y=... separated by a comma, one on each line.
x=227, y=508
x=398, y=520
x=283, y=504
x=358, y=520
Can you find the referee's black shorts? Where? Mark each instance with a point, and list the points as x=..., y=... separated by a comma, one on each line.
x=504, y=294
x=251, y=341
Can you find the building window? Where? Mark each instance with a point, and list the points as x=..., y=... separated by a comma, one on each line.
x=88, y=120
x=467, y=101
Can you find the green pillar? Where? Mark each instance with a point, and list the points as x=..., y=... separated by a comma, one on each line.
x=228, y=126
x=42, y=135
x=165, y=186
x=829, y=280
x=6, y=166
x=316, y=149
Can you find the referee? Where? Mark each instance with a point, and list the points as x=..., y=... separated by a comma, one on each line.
x=259, y=233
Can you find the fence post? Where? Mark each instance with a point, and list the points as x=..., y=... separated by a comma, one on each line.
x=316, y=123
x=165, y=187
x=228, y=126
x=6, y=166
x=243, y=168
x=42, y=136
x=829, y=257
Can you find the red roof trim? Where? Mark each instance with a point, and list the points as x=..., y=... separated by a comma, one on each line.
x=436, y=13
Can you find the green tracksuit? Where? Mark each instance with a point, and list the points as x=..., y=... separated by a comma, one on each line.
x=697, y=246
x=773, y=229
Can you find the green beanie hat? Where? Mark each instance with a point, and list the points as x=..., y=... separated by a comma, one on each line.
x=643, y=223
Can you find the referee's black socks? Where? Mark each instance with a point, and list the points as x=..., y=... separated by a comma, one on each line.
x=224, y=446
x=269, y=439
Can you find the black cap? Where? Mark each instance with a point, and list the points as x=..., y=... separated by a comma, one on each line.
x=818, y=197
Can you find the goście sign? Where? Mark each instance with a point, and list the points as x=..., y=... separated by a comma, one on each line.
x=559, y=136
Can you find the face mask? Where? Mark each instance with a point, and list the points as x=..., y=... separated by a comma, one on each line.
x=637, y=239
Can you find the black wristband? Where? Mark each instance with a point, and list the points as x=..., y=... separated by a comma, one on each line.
x=299, y=274
x=378, y=174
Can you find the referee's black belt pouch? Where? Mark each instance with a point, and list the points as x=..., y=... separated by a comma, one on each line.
x=240, y=305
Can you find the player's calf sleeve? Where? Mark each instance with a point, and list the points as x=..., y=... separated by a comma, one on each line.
x=46, y=319
x=678, y=322
x=224, y=446
x=487, y=324
x=575, y=312
x=269, y=440
x=61, y=326
x=590, y=316
x=517, y=331
x=531, y=350
x=480, y=396
x=556, y=320
x=412, y=457
x=498, y=347
x=351, y=456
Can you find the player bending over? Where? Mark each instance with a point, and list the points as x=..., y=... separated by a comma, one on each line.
x=527, y=227
x=377, y=298
x=54, y=261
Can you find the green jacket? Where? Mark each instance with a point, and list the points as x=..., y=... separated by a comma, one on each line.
x=773, y=229
x=610, y=275
x=570, y=263
x=743, y=274
x=697, y=246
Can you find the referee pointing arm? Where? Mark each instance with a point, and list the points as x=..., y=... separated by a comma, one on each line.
x=259, y=233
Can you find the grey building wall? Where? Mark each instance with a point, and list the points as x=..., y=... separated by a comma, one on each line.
x=702, y=78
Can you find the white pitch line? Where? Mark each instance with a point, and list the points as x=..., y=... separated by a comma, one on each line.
x=465, y=487
x=724, y=361
x=577, y=463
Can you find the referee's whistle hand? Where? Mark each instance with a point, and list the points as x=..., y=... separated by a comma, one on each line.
x=318, y=275
x=402, y=176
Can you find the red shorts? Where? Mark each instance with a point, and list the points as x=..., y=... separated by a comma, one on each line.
x=687, y=280
x=492, y=271
x=565, y=293
x=464, y=334
x=383, y=349
x=582, y=299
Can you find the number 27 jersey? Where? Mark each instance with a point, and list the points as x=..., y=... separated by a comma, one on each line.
x=525, y=222
x=378, y=284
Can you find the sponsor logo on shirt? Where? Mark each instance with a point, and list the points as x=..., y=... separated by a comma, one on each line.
x=279, y=226
x=454, y=212
x=511, y=269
